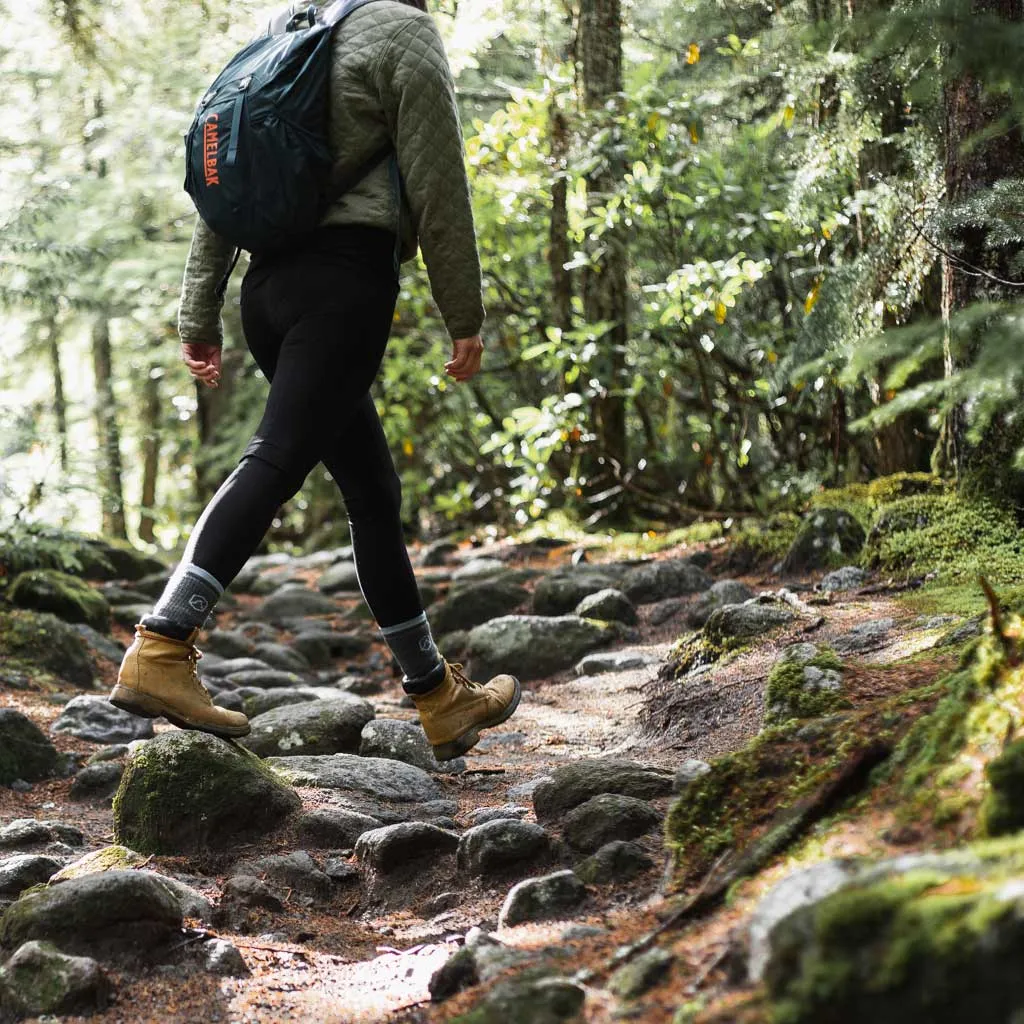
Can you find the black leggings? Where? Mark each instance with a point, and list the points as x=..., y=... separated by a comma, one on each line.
x=317, y=321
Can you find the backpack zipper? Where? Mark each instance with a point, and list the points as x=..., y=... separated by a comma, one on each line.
x=236, y=121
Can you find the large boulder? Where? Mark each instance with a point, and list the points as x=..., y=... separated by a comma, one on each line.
x=575, y=783
x=47, y=590
x=94, y=718
x=476, y=603
x=828, y=537
x=314, y=727
x=188, y=791
x=375, y=777
x=40, y=980
x=25, y=753
x=36, y=642
x=655, y=581
x=534, y=646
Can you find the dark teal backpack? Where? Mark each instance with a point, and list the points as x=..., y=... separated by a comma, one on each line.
x=258, y=165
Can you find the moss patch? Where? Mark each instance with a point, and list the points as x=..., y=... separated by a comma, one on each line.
x=47, y=590
x=760, y=542
x=792, y=692
x=35, y=642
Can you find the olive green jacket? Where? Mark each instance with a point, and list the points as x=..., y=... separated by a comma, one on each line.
x=390, y=80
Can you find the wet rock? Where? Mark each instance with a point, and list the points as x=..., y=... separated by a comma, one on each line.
x=229, y=644
x=532, y=646
x=265, y=679
x=249, y=892
x=611, y=661
x=25, y=753
x=375, y=777
x=104, y=646
x=541, y=899
x=868, y=636
x=23, y=871
x=293, y=603
x=849, y=577
x=827, y=536
x=476, y=603
x=480, y=815
x=722, y=593
x=97, y=781
x=69, y=598
x=689, y=771
x=40, y=980
x=125, y=911
x=188, y=791
x=404, y=741
x=656, y=581
x=97, y=720
x=396, y=846
x=335, y=827
x=609, y=605
x=640, y=974
x=313, y=727
x=25, y=833
x=748, y=620
x=614, y=863
x=296, y=871
x=500, y=846
x=220, y=957
x=608, y=816
x=339, y=579
x=573, y=784
x=38, y=641
x=560, y=593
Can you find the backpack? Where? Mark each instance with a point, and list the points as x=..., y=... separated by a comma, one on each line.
x=257, y=161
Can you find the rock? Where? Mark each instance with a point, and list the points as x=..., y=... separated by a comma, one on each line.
x=396, y=846
x=640, y=974
x=532, y=646
x=373, y=776
x=24, y=833
x=662, y=611
x=722, y=593
x=296, y=871
x=229, y=644
x=655, y=581
x=40, y=980
x=528, y=1000
x=480, y=815
x=455, y=975
x=339, y=870
x=689, y=771
x=469, y=606
x=25, y=753
x=610, y=661
x=525, y=790
x=560, y=593
x=748, y=620
x=502, y=845
x=541, y=899
x=335, y=827
x=313, y=727
x=220, y=957
x=188, y=791
x=609, y=605
x=608, y=816
x=70, y=599
x=614, y=863
x=1002, y=812
x=233, y=666
x=574, y=783
x=849, y=577
x=868, y=636
x=103, y=646
x=294, y=603
x=23, y=871
x=255, y=702
x=339, y=579
x=120, y=561
x=130, y=615
x=314, y=647
x=97, y=720
x=38, y=641
x=126, y=911
x=342, y=645
x=247, y=891
x=437, y=553
x=97, y=781
x=826, y=536
x=478, y=569
x=404, y=741
x=963, y=633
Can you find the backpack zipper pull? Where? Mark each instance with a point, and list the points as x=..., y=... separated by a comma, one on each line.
x=236, y=120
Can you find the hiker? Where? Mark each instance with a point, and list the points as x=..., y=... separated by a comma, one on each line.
x=316, y=317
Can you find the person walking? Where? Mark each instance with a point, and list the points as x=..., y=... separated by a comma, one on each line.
x=317, y=317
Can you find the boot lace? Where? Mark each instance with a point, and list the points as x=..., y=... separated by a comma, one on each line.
x=462, y=679
x=194, y=655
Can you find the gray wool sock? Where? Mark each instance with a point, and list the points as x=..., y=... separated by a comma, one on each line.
x=188, y=598
x=415, y=651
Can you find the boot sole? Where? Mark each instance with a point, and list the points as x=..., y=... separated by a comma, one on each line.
x=152, y=707
x=471, y=737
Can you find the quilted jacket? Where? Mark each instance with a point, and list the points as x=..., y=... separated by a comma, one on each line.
x=390, y=79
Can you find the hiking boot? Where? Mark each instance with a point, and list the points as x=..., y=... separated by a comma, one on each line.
x=454, y=712
x=159, y=676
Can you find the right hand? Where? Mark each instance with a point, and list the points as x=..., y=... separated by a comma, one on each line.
x=203, y=362
x=466, y=356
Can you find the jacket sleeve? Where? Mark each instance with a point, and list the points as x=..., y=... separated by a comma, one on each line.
x=199, y=311
x=417, y=93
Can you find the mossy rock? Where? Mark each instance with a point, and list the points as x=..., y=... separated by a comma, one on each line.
x=804, y=687
x=40, y=980
x=828, y=538
x=47, y=590
x=118, y=560
x=761, y=542
x=527, y=1000
x=184, y=792
x=38, y=642
x=25, y=752
x=1003, y=809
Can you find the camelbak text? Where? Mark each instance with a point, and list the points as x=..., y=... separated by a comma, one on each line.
x=211, y=142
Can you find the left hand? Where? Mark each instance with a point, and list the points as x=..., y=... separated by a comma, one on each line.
x=466, y=356
x=203, y=362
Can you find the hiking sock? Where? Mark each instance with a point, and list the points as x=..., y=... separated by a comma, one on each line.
x=415, y=651
x=185, y=604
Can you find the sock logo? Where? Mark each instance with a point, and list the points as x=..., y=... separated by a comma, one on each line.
x=425, y=644
x=198, y=603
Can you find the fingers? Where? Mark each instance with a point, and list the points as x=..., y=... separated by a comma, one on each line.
x=466, y=358
x=205, y=373
x=203, y=362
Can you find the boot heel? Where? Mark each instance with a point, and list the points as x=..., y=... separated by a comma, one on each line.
x=457, y=747
x=132, y=702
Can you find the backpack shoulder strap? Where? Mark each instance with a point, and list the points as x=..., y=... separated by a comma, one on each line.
x=340, y=10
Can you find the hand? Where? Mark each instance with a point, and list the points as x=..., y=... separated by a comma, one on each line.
x=203, y=362
x=466, y=356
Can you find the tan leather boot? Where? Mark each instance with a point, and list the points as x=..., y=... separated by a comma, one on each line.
x=159, y=677
x=454, y=712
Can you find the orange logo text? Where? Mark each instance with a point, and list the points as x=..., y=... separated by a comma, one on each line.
x=211, y=142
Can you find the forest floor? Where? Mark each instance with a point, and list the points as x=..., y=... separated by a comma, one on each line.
x=369, y=952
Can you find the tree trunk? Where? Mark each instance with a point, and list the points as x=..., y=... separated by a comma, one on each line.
x=107, y=433
x=60, y=407
x=559, y=253
x=605, y=293
x=150, y=454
